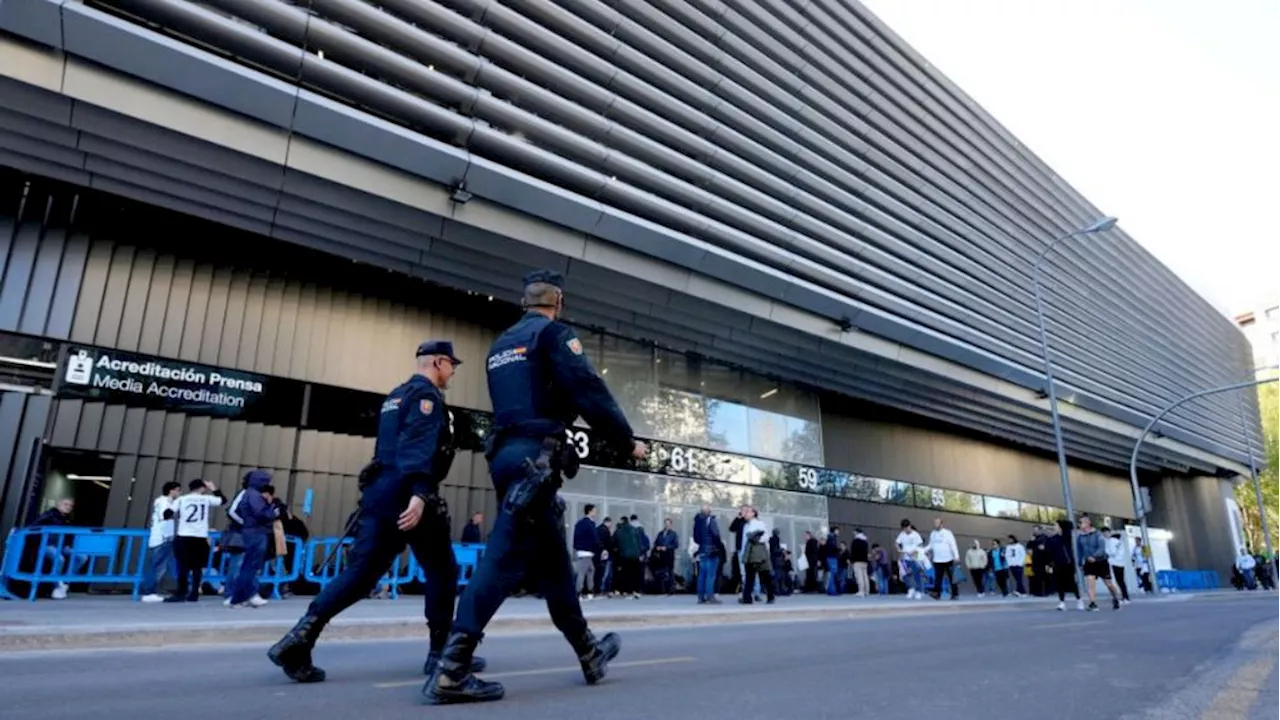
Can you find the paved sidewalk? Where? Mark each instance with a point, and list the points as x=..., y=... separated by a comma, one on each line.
x=89, y=622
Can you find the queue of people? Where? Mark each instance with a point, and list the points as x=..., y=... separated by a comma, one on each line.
x=178, y=548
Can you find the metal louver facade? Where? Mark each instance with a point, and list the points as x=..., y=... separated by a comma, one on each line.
x=798, y=153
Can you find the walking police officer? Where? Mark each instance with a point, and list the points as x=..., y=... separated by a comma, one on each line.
x=539, y=383
x=399, y=505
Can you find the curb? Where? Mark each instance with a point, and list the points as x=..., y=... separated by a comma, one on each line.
x=266, y=632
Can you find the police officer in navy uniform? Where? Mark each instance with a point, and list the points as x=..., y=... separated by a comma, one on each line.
x=400, y=505
x=540, y=381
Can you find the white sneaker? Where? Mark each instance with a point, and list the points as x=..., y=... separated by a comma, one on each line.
x=588, y=596
x=153, y=597
x=257, y=601
x=227, y=602
x=982, y=594
x=635, y=596
x=1062, y=606
x=1080, y=605
x=60, y=591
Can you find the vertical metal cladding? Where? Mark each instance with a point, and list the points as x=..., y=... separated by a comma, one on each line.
x=149, y=296
x=806, y=137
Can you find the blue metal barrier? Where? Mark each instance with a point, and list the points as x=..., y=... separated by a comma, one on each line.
x=105, y=555
x=273, y=573
x=405, y=570
x=1178, y=580
x=75, y=555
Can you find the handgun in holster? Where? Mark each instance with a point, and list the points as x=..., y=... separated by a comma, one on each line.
x=369, y=474
x=543, y=477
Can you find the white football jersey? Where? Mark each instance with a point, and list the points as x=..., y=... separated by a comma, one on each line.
x=193, y=514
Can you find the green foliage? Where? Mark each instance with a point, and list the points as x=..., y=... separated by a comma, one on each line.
x=1246, y=496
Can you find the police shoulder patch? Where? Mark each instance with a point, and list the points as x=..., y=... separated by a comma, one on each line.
x=426, y=406
x=574, y=345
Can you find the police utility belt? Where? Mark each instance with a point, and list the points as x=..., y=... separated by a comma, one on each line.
x=557, y=461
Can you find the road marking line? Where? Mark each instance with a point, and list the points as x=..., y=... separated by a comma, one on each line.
x=1235, y=700
x=545, y=671
x=1081, y=623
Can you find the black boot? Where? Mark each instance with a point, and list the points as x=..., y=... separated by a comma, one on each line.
x=452, y=682
x=293, y=653
x=438, y=641
x=594, y=655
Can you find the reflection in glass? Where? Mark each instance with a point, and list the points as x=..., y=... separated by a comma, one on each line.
x=687, y=399
x=949, y=500
x=727, y=426
x=1030, y=512
x=1000, y=507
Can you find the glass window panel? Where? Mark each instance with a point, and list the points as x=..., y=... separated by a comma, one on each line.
x=1001, y=507
x=628, y=369
x=676, y=416
x=1048, y=513
x=803, y=443
x=1029, y=512
x=948, y=500
x=676, y=370
x=727, y=426
x=767, y=432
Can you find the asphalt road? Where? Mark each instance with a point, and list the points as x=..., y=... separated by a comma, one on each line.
x=1196, y=658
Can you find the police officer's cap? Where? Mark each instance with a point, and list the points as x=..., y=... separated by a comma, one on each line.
x=550, y=277
x=438, y=347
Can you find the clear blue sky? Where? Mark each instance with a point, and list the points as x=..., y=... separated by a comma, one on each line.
x=1162, y=112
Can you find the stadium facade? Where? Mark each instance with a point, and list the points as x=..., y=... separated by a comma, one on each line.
x=800, y=254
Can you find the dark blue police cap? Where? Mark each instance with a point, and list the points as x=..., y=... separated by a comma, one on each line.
x=550, y=277
x=438, y=347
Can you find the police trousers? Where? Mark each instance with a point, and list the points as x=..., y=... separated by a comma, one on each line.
x=531, y=545
x=377, y=544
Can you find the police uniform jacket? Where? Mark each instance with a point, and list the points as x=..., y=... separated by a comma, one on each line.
x=414, y=447
x=540, y=381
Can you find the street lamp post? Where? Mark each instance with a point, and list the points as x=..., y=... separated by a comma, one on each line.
x=1102, y=225
x=1138, y=509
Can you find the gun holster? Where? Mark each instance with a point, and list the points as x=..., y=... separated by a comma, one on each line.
x=369, y=474
x=541, y=481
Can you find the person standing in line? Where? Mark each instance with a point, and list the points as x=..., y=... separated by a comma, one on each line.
x=1000, y=565
x=810, y=552
x=256, y=514
x=160, y=561
x=879, y=559
x=943, y=552
x=586, y=545
x=859, y=557
x=1091, y=550
x=706, y=535
x=1016, y=556
x=911, y=550
x=191, y=537
x=664, y=557
x=473, y=531
x=831, y=554
x=975, y=560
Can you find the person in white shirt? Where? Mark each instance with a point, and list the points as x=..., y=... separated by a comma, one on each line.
x=943, y=551
x=1015, y=554
x=159, y=562
x=1245, y=563
x=1116, y=555
x=191, y=537
x=911, y=554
